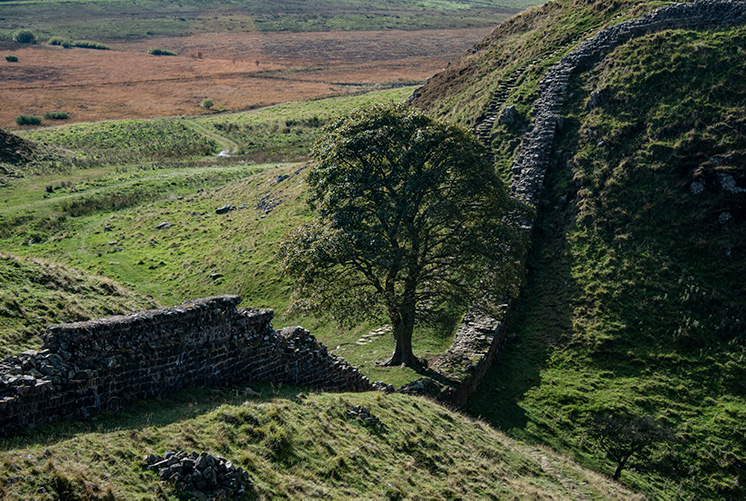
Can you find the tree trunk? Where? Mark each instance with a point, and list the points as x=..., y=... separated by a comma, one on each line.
x=619, y=468
x=403, y=355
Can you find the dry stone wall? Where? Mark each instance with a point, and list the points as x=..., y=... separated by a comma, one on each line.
x=89, y=367
x=480, y=337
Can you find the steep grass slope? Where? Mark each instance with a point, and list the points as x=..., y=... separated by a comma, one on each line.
x=635, y=304
x=35, y=294
x=295, y=446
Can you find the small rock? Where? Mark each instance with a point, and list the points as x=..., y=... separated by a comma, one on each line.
x=508, y=116
x=187, y=465
x=724, y=217
x=595, y=100
x=224, y=209
x=163, y=225
x=697, y=188
x=728, y=183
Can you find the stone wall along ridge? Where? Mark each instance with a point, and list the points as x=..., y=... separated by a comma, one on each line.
x=529, y=167
x=89, y=367
x=480, y=337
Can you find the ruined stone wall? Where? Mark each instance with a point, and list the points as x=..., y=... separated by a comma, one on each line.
x=89, y=367
x=480, y=337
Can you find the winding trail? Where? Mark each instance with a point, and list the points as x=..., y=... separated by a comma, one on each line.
x=230, y=148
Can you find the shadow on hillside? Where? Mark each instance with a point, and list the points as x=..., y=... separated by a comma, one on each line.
x=176, y=408
x=543, y=314
x=540, y=321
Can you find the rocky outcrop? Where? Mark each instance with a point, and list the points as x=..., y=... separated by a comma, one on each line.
x=89, y=367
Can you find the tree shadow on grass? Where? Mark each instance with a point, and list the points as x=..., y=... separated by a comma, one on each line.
x=175, y=408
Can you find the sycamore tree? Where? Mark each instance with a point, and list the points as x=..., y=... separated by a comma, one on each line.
x=409, y=217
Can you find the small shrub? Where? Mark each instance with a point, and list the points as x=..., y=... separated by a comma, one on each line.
x=28, y=120
x=90, y=44
x=11, y=59
x=24, y=36
x=56, y=115
x=207, y=103
x=154, y=51
x=57, y=40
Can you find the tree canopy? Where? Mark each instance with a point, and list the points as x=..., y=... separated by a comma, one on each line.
x=410, y=217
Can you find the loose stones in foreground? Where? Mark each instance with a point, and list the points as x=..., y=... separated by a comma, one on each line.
x=201, y=475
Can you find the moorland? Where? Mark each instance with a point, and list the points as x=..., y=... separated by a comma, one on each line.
x=240, y=54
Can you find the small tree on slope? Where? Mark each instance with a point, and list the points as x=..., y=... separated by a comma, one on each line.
x=409, y=217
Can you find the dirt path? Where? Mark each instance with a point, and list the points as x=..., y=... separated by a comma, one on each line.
x=229, y=147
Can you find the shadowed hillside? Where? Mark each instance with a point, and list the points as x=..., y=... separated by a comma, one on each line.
x=13, y=149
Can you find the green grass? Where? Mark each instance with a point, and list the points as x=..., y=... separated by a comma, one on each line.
x=35, y=293
x=286, y=131
x=635, y=303
x=423, y=451
x=105, y=223
x=99, y=211
x=121, y=19
x=540, y=36
x=121, y=141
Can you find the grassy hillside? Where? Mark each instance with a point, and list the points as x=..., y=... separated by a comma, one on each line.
x=523, y=48
x=103, y=213
x=35, y=294
x=295, y=445
x=114, y=19
x=635, y=305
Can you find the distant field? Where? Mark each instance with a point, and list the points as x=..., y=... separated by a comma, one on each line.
x=122, y=19
x=238, y=71
x=240, y=54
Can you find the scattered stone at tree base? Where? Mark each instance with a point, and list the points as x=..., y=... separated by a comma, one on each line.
x=384, y=387
x=201, y=475
x=427, y=387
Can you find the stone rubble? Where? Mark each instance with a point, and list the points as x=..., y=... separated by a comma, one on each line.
x=362, y=414
x=201, y=475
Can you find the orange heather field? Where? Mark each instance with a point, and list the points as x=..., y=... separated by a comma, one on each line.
x=237, y=70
